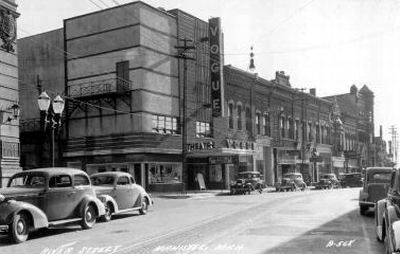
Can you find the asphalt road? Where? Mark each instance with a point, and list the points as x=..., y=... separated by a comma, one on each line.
x=300, y=222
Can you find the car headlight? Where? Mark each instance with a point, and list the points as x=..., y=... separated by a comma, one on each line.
x=2, y=198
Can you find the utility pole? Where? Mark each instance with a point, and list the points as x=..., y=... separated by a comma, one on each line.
x=303, y=128
x=183, y=54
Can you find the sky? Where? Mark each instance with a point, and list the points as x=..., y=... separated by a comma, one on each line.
x=324, y=44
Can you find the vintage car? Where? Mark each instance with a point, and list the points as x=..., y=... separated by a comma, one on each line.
x=46, y=197
x=240, y=187
x=375, y=187
x=119, y=193
x=254, y=178
x=291, y=181
x=327, y=181
x=350, y=180
x=387, y=219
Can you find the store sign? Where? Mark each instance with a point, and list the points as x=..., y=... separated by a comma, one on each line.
x=216, y=66
x=199, y=146
x=9, y=149
x=316, y=159
x=293, y=152
x=223, y=159
x=235, y=144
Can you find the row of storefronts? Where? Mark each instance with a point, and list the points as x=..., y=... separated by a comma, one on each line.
x=139, y=107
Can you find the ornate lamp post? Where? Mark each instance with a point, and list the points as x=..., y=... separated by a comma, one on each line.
x=52, y=115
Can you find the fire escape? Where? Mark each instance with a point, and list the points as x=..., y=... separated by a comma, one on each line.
x=101, y=94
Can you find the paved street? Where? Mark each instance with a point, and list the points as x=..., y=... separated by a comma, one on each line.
x=300, y=222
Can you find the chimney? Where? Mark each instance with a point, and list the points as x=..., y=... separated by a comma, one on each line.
x=313, y=91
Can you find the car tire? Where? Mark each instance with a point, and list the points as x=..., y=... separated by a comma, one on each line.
x=388, y=243
x=88, y=216
x=109, y=209
x=144, y=206
x=363, y=210
x=19, y=228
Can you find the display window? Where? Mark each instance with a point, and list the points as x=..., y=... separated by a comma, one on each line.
x=164, y=173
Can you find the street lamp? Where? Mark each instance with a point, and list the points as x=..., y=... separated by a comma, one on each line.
x=52, y=114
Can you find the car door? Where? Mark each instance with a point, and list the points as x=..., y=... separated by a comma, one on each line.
x=136, y=192
x=123, y=193
x=59, y=198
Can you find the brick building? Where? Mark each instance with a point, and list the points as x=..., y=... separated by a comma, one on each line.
x=9, y=99
x=356, y=111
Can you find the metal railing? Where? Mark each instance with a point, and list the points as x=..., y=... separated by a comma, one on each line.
x=28, y=125
x=99, y=87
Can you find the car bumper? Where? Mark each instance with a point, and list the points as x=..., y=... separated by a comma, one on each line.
x=3, y=228
x=367, y=203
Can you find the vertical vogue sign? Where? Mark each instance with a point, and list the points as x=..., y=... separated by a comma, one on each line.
x=217, y=93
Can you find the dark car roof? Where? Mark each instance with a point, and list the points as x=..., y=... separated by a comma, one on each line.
x=53, y=171
x=249, y=172
x=376, y=169
x=112, y=173
x=351, y=174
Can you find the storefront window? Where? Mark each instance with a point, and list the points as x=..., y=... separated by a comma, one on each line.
x=165, y=173
x=216, y=173
x=96, y=168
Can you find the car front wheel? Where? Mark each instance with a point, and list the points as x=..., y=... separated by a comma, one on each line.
x=19, y=228
x=88, y=217
x=143, y=209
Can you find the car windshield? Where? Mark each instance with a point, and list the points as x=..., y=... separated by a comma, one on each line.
x=28, y=181
x=102, y=180
x=379, y=177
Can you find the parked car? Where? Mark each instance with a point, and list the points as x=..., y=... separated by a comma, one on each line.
x=291, y=181
x=327, y=181
x=46, y=197
x=387, y=220
x=375, y=187
x=119, y=193
x=254, y=178
x=350, y=180
x=240, y=186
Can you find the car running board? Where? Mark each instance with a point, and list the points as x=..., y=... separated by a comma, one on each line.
x=61, y=222
x=128, y=210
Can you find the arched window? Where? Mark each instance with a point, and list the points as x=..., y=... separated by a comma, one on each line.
x=282, y=126
x=230, y=115
x=258, y=123
x=239, y=117
x=266, y=125
x=248, y=119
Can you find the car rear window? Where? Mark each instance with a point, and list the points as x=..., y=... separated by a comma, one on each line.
x=81, y=180
x=60, y=181
x=102, y=180
x=380, y=177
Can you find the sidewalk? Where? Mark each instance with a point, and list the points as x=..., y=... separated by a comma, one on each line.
x=198, y=194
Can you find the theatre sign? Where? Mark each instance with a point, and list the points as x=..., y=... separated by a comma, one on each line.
x=216, y=65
